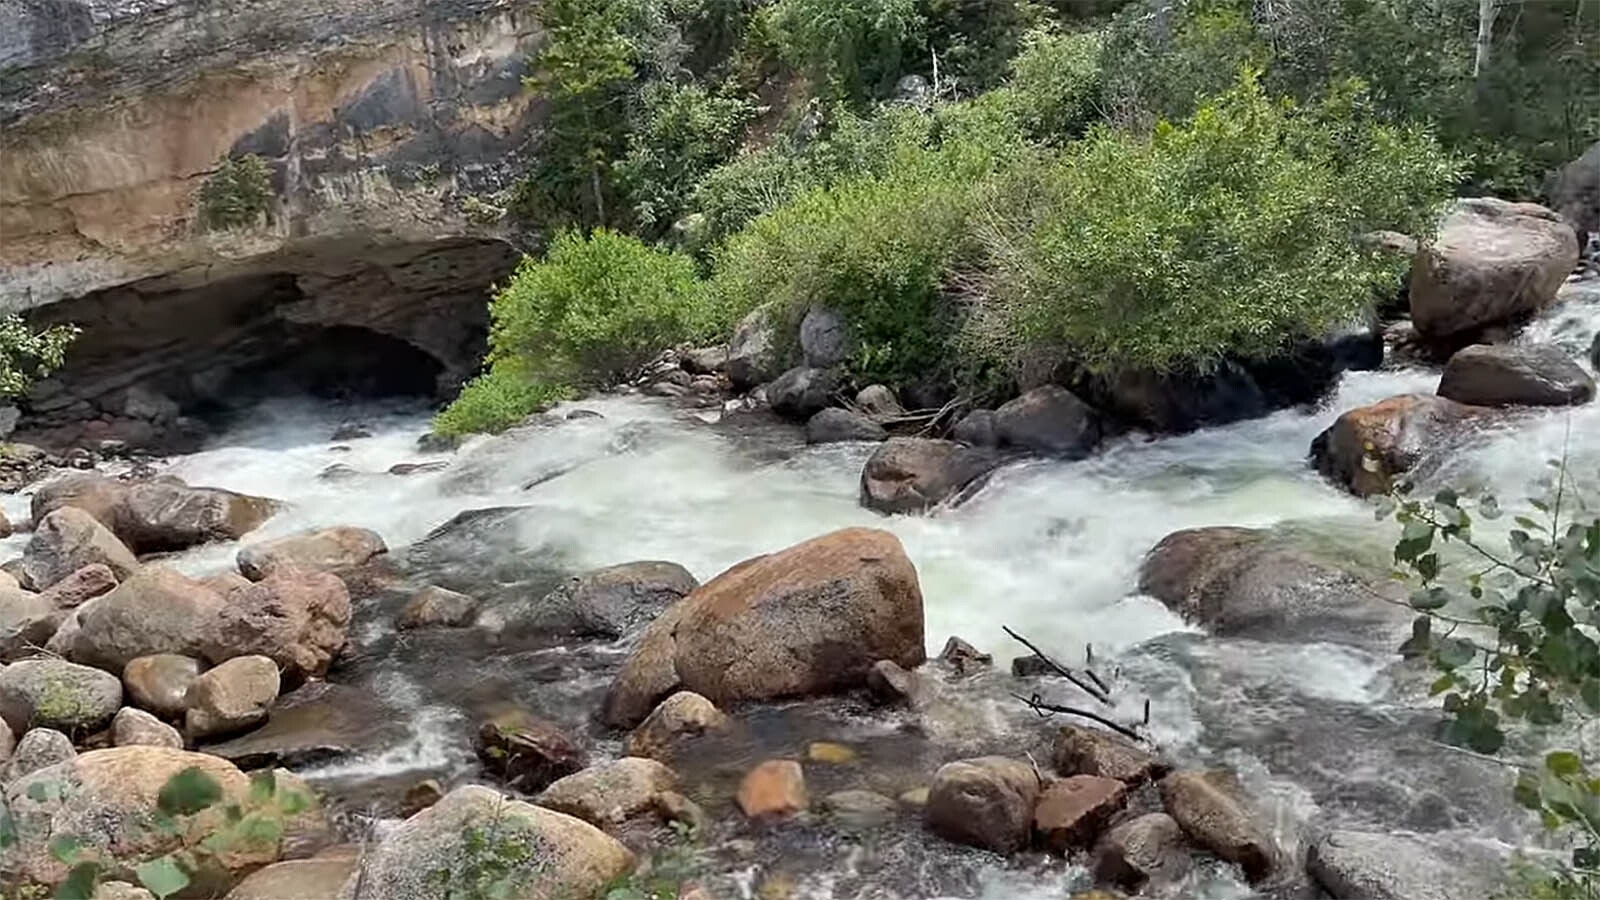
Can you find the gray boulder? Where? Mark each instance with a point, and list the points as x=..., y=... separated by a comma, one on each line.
x=53, y=693
x=752, y=357
x=155, y=611
x=135, y=727
x=1214, y=812
x=986, y=802
x=1362, y=865
x=319, y=550
x=911, y=475
x=68, y=539
x=801, y=392
x=825, y=338
x=605, y=603
x=1575, y=192
x=833, y=425
x=976, y=428
x=1048, y=419
x=1515, y=375
x=38, y=749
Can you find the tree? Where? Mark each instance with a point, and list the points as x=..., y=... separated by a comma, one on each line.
x=27, y=355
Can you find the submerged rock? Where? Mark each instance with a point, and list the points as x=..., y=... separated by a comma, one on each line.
x=1361, y=865
x=1515, y=375
x=1398, y=434
x=604, y=603
x=861, y=809
x=1148, y=849
x=774, y=789
x=527, y=752
x=911, y=475
x=436, y=607
x=572, y=857
x=1492, y=262
x=679, y=717
x=986, y=802
x=804, y=621
x=314, y=723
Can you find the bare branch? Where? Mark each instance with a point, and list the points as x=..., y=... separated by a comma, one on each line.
x=1045, y=710
x=1096, y=691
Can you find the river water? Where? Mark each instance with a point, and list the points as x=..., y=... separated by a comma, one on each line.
x=1327, y=735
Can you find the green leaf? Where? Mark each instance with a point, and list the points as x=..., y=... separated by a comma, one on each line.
x=1563, y=762
x=1428, y=566
x=162, y=876
x=1527, y=793
x=188, y=792
x=1441, y=684
x=65, y=848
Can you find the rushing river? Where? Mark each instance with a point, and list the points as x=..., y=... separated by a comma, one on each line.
x=1324, y=733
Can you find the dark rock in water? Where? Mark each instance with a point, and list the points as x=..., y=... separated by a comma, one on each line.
x=1212, y=809
x=436, y=607
x=1180, y=401
x=1048, y=419
x=860, y=810
x=892, y=685
x=1244, y=582
x=927, y=394
x=577, y=414
x=1148, y=849
x=1515, y=375
x=605, y=603
x=527, y=752
x=480, y=553
x=976, y=428
x=418, y=468
x=315, y=723
x=1380, y=866
x=825, y=338
x=963, y=658
x=800, y=393
x=1399, y=434
x=438, y=443
x=338, y=472
x=1030, y=666
x=986, y=802
x=911, y=475
x=350, y=431
x=1594, y=352
x=833, y=425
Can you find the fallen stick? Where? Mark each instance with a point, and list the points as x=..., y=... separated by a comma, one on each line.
x=1092, y=690
x=1045, y=710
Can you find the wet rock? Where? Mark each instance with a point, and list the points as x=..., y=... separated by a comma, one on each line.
x=976, y=429
x=1245, y=582
x=314, y=723
x=339, y=472
x=160, y=682
x=135, y=727
x=752, y=357
x=1140, y=851
x=833, y=425
x=1030, y=666
x=107, y=804
x=891, y=685
x=963, y=658
x=611, y=793
x=666, y=389
x=1072, y=811
x=1090, y=751
x=159, y=515
x=422, y=468
x=1398, y=431
x=1361, y=865
x=705, y=360
x=774, y=789
x=527, y=752
x=681, y=716
x=67, y=540
x=605, y=603
x=350, y=431
x=38, y=749
x=5, y=527
x=321, y=550
x=80, y=587
x=435, y=607
x=911, y=475
x=672, y=806
x=225, y=583
x=860, y=810
x=1048, y=419
x=572, y=857
x=1212, y=810
x=52, y=693
x=831, y=753
x=420, y=796
x=438, y=443
x=805, y=621
x=1492, y=262
x=580, y=414
x=156, y=610
x=297, y=619
x=985, y=802
x=1574, y=192
x=1173, y=403
x=27, y=621
x=296, y=879
x=232, y=697
x=802, y=392
x=1515, y=375
x=879, y=402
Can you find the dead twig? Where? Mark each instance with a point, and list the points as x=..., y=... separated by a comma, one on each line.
x=1045, y=710
x=1095, y=690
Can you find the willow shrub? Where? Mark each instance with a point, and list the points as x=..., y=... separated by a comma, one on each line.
x=592, y=311
x=1228, y=236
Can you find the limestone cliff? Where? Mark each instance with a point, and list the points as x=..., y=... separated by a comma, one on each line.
x=386, y=126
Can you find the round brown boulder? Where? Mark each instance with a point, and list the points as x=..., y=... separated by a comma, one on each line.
x=232, y=697
x=774, y=789
x=611, y=793
x=158, y=515
x=805, y=621
x=912, y=475
x=1365, y=449
x=1515, y=375
x=155, y=611
x=680, y=716
x=296, y=619
x=1213, y=811
x=160, y=682
x=986, y=802
x=69, y=539
x=321, y=550
x=135, y=727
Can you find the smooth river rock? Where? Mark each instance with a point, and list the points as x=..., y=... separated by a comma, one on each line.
x=1397, y=434
x=1515, y=375
x=320, y=550
x=913, y=475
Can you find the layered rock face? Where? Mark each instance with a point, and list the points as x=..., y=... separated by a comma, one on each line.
x=388, y=128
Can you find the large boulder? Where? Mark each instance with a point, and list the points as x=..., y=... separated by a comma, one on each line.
x=1174, y=402
x=1150, y=848
x=68, y=539
x=986, y=802
x=1515, y=375
x=137, y=728
x=802, y=392
x=603, y=603
x=752, y=354
x=53, y=693
x=1575, y=192
x=825, y=338
x=155, y=611
x=232, y=697
x=1257, y=584
x=808, y=620
x=1397, y=434
x=611, y=793
x=1080, y=750
x=296, y=619
x=160, y=682
x=1048, y=419
x=105, y=799
x=1364, y=865
x=1212, y=809
x=833, y=425
x=1492, y=262
x=527, y=752
x=568, y=858
x=158, y=515
x=320, y=550
x=911, y=475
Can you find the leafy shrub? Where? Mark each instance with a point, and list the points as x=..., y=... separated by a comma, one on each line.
x=1161, y=64
x=593, y=310
x=1229, y=236
x=851, y=50
x=1055, y=87
x=684, y=132
x=27, y=355
x=238, y=194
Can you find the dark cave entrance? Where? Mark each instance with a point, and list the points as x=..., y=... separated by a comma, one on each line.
x=340, y=362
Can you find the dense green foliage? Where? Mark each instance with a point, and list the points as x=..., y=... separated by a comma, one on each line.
x=238, y=194
x=847, y=48
x=27, y=355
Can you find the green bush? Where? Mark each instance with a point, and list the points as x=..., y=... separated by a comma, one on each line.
x=850, y=50
x=1229, y=236
x=1055, y=84
x=594, y=310
x=27, y=355
x=683, y=133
